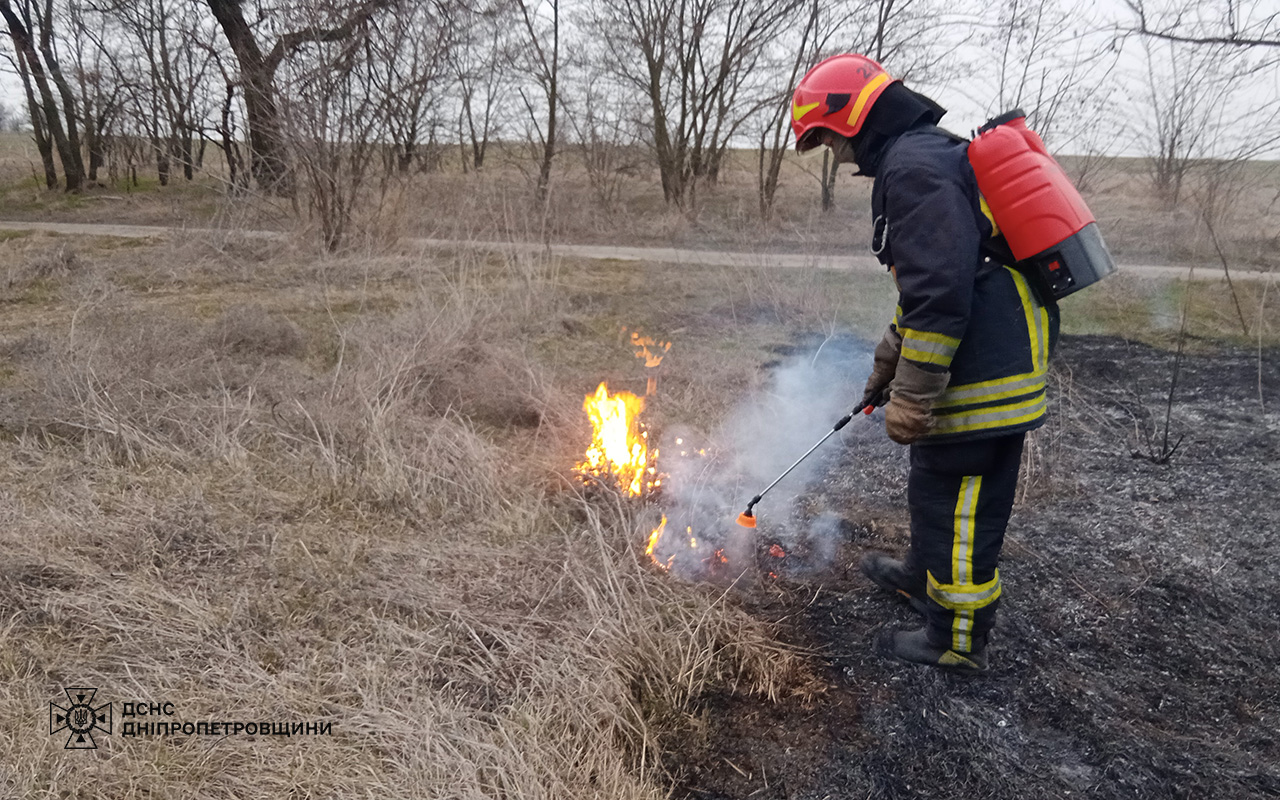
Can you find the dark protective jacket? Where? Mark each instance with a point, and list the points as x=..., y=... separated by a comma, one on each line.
x=958, y=310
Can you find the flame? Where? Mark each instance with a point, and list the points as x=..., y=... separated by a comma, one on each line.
x=652, y=358
x=619, y=448
x=619, y=454
x=654, y=538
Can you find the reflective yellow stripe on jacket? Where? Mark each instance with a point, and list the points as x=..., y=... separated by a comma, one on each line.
x=1003, y=402
x=926, y=347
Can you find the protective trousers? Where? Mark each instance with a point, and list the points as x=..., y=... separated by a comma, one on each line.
x=960, y=495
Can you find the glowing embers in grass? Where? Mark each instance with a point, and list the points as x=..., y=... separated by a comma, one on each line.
x=669, y=549
x=691, y=540
x=619, y=454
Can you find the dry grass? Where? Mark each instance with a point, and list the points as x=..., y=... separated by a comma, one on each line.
x=316, y=505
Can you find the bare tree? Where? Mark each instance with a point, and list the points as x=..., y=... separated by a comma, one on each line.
x=775, y=136
x=31, y=27
x=170, y=58
x=39, y=131
x=694, y=61
x=267, y=144
x=603, y=118
x=98, y=77
x=1234, y=23
x=477, y=62
x=412, y=48
x=1051, y=56
x=1184, y=92
x=269, y=155
x=913, y=39
x=543, y=63
x=335, y=113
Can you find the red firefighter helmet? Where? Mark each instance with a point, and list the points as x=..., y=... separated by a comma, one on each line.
x=836, y=95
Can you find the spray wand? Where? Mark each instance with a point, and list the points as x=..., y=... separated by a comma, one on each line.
x=747, y=519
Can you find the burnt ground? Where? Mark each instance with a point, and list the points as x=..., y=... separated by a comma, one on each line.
x=1137, y=654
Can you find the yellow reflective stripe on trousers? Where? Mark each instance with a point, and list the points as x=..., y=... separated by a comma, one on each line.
x=970, y=597
x=979, y=419
x=990, y=391
x=964, y=527
x=927, y=347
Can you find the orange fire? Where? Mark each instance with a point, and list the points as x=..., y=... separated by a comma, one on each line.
x=655, y=537
x=619, y=449
x=619, y=455
x=652, y=358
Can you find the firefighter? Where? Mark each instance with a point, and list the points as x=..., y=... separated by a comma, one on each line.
x=961, y=369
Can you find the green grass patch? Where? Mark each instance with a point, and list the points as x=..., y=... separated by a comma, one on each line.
x=1151, y=310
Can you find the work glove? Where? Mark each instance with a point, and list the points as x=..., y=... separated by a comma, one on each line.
x=882, y=369
x=909, y=415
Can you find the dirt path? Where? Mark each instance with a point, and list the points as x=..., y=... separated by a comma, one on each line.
x=672, y=255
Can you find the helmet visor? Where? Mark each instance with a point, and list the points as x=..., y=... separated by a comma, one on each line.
x=809, y=140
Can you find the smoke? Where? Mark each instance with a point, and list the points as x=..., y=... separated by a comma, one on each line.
x=711, y=479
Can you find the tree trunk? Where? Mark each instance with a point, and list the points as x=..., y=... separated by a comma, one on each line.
x=43, y=143
x=553, y=99
x=184, y=153
x=548, y=151
x=92, y=144
x=768, y=170
x=269, y=161
x=26, y=49
x=227, y=140
x=97, y=156
x=162, y=160
x=68, y=104
x=669, y=167
x=829, y=166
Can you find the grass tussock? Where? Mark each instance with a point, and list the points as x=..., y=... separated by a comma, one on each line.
x=267, y=514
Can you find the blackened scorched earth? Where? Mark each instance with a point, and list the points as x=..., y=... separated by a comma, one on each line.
x=1137, y=653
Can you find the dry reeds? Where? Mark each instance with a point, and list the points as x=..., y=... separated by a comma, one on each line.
x=206, y=510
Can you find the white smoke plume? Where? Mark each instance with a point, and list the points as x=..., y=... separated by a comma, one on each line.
x=703, y=494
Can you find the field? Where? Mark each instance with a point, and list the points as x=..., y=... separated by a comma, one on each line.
x=267, y=484
x=1240, y=202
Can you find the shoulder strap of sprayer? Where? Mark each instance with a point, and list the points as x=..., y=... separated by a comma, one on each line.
x=995, y=248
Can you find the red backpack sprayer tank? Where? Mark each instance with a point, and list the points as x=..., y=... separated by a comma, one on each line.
x=1045, y=221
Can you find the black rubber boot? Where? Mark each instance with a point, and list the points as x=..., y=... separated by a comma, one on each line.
x=915, y=647
x=891, y=575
